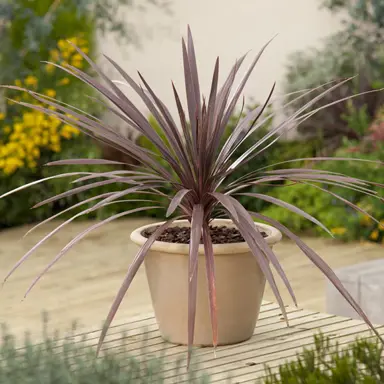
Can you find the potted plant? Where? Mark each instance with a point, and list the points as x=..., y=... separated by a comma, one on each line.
x=206, y=274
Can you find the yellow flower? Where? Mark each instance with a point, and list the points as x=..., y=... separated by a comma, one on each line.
x=18, y=83
x=37, y=140
x=18, y=127
x=64, y=81
x=54, y=123
x=7, y=129
x=66, y=55
x=31, y=80
x=56, y=148
x=338, y=231
x=77, y=63
x=11, y=164
x=55, y=139
x=366, y=220
x=54, y=55
x=32, y=164
x=374, y=235
x=2, y=116
x=29, y=119
x=82, y=42
x=14, y=137
x=62, y=44
x=21, y=153
x=85, y=50
x=29, y=145
x=73, y=40
x=66, y=135
x=77, y=57
x=50, y=92
x=49, y=68
x=36, y=152
x=381, y=226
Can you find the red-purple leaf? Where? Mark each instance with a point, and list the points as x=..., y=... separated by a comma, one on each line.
x=85, y=162
x=133, y=268
x=175, y=202
x=196, y=231
x=80, y=236
x=211, y=279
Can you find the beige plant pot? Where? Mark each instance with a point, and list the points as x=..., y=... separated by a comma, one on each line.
x=240, y=287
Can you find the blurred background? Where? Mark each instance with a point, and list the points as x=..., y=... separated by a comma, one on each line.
x=317, y=41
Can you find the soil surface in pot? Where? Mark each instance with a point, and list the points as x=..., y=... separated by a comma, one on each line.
x=181, y=235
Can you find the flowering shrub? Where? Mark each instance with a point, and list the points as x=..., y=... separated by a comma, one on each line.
x=33, y=33
x=26, y=135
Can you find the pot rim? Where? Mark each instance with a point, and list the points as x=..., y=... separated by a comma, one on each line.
x=274, y=236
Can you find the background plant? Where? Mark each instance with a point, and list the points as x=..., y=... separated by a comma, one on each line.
x=358, y=363
x=36, y=31
x=64, y=361
x=345, y=223
x=351, y=51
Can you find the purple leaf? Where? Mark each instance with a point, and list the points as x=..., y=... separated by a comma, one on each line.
x=80, y=236
x=84, y=162
x=175, y=202
x=196, y=231
x=133, y=268
x=211, y=279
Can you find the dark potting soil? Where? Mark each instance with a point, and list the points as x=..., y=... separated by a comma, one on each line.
x=181, y=235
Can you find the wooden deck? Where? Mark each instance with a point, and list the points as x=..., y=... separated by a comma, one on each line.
x=273, y=343
x=83, y=284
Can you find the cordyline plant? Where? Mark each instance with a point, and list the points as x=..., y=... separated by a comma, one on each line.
x=200, y=163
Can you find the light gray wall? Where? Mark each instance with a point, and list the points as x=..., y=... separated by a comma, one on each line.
x=224, y=28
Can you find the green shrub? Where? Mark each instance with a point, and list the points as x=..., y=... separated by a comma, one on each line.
x=357, y=49
x=358, y=363
x=343, y=221
x=65, y=362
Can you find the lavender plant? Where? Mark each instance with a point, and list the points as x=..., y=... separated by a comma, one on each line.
x=199, y=164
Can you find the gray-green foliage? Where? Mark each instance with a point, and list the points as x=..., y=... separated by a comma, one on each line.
x=356, y=49
x=327, y=363
x=66, y=362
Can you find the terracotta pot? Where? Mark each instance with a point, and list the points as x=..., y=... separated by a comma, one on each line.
x=240, y=287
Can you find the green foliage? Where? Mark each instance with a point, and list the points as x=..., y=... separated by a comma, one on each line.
x=342, y=220
x=36, y=20
x=358, y=363
x=55, y=361
x=349, y=52
x=16, y=210
x=32, y=29
x=357, y=119
x=31, y=32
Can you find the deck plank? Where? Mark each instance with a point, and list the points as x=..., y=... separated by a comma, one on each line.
x=273, y=343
